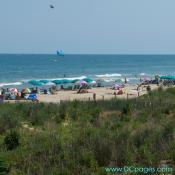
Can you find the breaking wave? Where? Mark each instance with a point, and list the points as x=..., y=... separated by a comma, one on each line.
x=109, y=75
x=11, y=84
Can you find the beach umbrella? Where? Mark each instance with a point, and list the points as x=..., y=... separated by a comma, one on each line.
x=119, y=80
x=74, y=81
x=81, y=82
x=88, y=80
x=170, y=77
x=146, y=79
x=116, y=86
x=57, y=81
x=65, y=81
x=35, y=83
x=93, y=82
x=14, y=90
x=44, y=81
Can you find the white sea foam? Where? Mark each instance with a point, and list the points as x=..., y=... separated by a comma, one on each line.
x=134, y=78
x=108, y=80
x=68, y=78
x=51, y=79
x=11, y=84
x=109, y=75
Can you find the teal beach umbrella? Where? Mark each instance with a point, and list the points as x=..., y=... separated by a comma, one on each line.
x=88, y=80
x=169, y=77
x=65, y=81
x=57, y=82
x=44, y=81
x=74, y=81
x=35, y=83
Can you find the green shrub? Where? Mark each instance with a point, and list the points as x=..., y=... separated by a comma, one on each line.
x=4, y=168
x=83, y=137
x=11, y=140
x=62, y=110
x=127, y=109
x=8, y=122
x=171, y=91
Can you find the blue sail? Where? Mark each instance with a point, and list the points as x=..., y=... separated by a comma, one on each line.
x=60, y=53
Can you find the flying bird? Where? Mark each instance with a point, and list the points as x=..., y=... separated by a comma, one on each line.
x=52, y=7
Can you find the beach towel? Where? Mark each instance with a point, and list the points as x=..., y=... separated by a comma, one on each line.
x=32, y=97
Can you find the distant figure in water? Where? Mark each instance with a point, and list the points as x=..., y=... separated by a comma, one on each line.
x=64, y=75
x=125, y=80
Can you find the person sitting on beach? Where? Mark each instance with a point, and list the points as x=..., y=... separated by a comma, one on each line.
x=148, y=88
x=120, y=92
x=18, y=96
x=45, y=91
x=62, y=87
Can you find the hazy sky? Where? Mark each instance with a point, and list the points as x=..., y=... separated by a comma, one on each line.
x=87, y=26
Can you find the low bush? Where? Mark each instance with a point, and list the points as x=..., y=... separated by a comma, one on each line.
x=81, y=138
x=11, y=140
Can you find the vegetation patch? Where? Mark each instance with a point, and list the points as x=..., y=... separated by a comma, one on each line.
x=81, y=138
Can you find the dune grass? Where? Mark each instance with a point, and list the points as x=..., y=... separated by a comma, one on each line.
x=81, y=138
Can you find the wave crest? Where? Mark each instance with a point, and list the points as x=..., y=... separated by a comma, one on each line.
x=11, y=84
x=109, y=75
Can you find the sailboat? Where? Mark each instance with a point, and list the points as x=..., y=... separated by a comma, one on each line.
x=60, y=53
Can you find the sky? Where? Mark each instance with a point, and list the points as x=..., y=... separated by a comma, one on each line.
x=87, y=26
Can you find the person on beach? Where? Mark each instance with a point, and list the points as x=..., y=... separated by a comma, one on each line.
x=120, y=92
x=157, y=79
x=140, y=79
x=125, y=80
x=148, y=88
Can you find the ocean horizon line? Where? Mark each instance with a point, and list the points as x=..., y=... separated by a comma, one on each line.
x=119, y=54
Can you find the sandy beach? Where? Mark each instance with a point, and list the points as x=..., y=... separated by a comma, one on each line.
x=103, y=93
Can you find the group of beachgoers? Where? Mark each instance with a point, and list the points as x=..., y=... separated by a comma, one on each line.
x=16, y=94
x=81, y=87
x=31, y=93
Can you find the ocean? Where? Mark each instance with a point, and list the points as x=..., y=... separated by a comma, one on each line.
x=17, y=69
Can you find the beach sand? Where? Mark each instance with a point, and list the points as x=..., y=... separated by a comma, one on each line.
x=102, y=93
